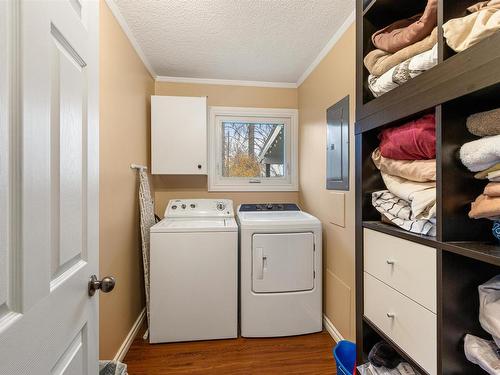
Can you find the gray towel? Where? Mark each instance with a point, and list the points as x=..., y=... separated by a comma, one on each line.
x=484, y=123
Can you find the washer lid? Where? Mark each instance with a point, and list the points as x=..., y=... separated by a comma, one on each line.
x=195, y=225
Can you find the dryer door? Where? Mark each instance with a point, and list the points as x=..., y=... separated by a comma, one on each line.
x=282, y=262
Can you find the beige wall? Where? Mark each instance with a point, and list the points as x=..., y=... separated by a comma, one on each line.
x=125, y=88
x=333, y=79
x=169, y=187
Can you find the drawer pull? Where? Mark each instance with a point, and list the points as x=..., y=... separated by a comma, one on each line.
x=391, y=262
x=391, y=315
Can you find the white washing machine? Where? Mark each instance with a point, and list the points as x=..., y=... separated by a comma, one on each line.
x=281, y=268
x=194, y=272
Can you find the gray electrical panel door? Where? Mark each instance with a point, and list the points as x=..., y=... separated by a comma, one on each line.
x=337, y=146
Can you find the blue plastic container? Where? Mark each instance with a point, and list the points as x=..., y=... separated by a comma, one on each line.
x=345, y=357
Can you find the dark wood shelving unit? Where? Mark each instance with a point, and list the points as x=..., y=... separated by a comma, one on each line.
x=466, y=253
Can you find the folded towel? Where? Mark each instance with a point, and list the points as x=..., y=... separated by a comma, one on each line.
x=484, y=174
x=420, y=195
x=414, y=170
x=489, y=308
x=492, y=189
x=484, y=123
x=493, y=175
x=485, y=207
x=415, y=140
x=378, y=61
x=481, y=154
x=403, y=33
x=402, y=72
x=398, y=211
x=462, y=33
x=483, y=353
x=482, y=4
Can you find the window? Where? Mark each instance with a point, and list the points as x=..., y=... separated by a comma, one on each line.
x=337, y=147
x=252, y=149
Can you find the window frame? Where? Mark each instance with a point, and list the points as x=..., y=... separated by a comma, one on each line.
x=216, y=182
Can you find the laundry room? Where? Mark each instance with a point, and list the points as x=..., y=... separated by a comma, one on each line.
x=300, y=179
x=249, y=187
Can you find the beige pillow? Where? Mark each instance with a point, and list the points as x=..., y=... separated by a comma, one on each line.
x=462, y=33
x=414, y=170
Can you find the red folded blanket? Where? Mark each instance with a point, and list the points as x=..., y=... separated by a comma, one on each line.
x=415, y=140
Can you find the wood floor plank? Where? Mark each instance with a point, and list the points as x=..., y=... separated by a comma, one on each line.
x=307, y=354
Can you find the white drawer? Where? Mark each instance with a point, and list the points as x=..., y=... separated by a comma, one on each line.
x=411, y=326
x=404, y=265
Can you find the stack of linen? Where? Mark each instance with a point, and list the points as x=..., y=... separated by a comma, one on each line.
x=486, y=353
x=482, y=20
x=483, y=156
x=404, y=50
x=406, y=160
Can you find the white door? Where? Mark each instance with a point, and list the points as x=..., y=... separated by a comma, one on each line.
x=48, y=186
x=282, y=262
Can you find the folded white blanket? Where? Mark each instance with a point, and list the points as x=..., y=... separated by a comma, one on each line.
x=483, y=353
x=420, y=195
x=403, y=72
x=489, y=307
x=481, y=154
x=398, y=211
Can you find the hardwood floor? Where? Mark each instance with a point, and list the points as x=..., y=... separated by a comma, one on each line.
x=308, y=354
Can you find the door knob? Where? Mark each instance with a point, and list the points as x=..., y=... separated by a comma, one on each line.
x=107, y=284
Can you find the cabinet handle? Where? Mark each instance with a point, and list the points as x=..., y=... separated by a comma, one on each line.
x=390, y=261
x=199, y=166
x=391, y=315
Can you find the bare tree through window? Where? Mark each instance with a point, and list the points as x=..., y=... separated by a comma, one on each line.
x=252, y=149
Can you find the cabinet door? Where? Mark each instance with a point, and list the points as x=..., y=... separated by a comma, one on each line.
x=282, y=262
x=178, y=135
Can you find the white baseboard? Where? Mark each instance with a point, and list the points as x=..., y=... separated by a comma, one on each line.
x=332, y=330
x=122, y=352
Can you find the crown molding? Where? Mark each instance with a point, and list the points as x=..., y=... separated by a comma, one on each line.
x=227, y=82
x=123, y=24
x=327, y=48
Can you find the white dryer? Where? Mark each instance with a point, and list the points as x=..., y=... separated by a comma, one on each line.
x=280, y=271
x=194, y=272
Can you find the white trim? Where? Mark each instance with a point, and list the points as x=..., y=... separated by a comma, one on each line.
x=122, y=352
x=291, y=183
x=331, y=329
x=227, y=82
x=326, y=49
x=121, y=21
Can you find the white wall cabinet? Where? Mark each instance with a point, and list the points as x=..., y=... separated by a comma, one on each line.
x=178, y=135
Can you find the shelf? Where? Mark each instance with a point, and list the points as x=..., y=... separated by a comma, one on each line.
x=400, y=351
x=401, y=233
x=471, y=70
x=481, y=251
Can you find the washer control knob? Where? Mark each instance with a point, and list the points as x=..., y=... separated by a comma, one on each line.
x=174, y=207
x=192, y=205
x=221, y=206
x=183, y=206
x=269, y=206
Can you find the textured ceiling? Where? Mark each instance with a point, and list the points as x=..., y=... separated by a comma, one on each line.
x=257, y=40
